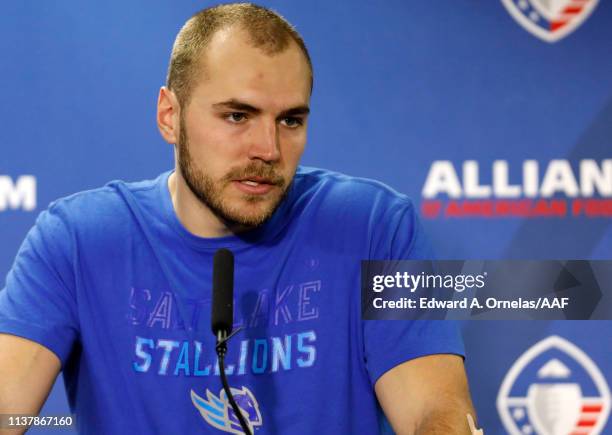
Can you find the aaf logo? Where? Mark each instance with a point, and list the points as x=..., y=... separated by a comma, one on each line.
x=550, y=20
x=554, y=389
x=20, y=194
x=218, y=412
x=557, y=188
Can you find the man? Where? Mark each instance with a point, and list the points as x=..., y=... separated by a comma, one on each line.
x=112, y=286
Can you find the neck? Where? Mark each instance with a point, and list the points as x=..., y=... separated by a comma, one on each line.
x=196, y=217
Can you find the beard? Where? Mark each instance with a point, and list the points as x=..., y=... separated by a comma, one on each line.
x=258, y=208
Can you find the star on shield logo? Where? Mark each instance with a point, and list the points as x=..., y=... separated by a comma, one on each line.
x=554, y=388
x=550, y=20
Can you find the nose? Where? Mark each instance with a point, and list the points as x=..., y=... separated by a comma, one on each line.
x=265, y=144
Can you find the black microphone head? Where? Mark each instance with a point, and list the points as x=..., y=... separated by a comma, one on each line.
x=223, y=292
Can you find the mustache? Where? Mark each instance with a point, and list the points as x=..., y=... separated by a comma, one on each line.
x=255, y=170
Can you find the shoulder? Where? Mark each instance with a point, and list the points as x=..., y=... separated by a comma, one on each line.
x=357, y=209
x=350, y=194
x=100, y=211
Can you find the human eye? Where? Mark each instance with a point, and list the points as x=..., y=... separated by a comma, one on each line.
x=292, y=121
x=235, y=117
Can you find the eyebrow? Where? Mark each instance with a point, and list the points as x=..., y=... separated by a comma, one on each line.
x=296, y=111
x=234, y=104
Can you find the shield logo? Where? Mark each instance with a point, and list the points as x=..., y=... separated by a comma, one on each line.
x=550, y=20
x=554, y=388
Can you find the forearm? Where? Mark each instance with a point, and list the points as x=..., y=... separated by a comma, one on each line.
x=27, y=373
x=428, y=395
x=452, y=422
x=451, y=419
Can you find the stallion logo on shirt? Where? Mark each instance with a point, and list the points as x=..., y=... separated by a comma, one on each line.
x=218, y=412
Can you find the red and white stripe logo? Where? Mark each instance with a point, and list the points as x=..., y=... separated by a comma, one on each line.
x=550, y=20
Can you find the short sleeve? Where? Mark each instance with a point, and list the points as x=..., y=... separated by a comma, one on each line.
x=388, y=343
x=38, y=302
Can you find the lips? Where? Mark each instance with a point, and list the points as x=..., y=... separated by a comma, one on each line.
x=256, y=180
x=254, y=185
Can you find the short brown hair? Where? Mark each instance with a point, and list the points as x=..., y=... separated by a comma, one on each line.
x=267, y=30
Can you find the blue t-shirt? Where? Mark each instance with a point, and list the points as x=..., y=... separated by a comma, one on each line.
x=114, y=285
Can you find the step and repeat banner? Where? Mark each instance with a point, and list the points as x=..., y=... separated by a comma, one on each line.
x=494, y=116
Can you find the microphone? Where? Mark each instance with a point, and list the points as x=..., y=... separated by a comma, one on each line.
x=223, y=294
x=222, y=320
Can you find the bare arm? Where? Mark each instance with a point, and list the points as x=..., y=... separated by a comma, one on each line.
x=27, y=373
x=427, y=395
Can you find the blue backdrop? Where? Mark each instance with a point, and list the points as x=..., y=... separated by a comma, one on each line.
x=400, y=89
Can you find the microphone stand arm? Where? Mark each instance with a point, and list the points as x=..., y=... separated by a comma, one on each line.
x=221, y=348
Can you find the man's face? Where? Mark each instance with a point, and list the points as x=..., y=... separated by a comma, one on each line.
x=244, y=129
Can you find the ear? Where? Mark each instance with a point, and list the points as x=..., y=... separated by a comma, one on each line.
x=168, y=115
